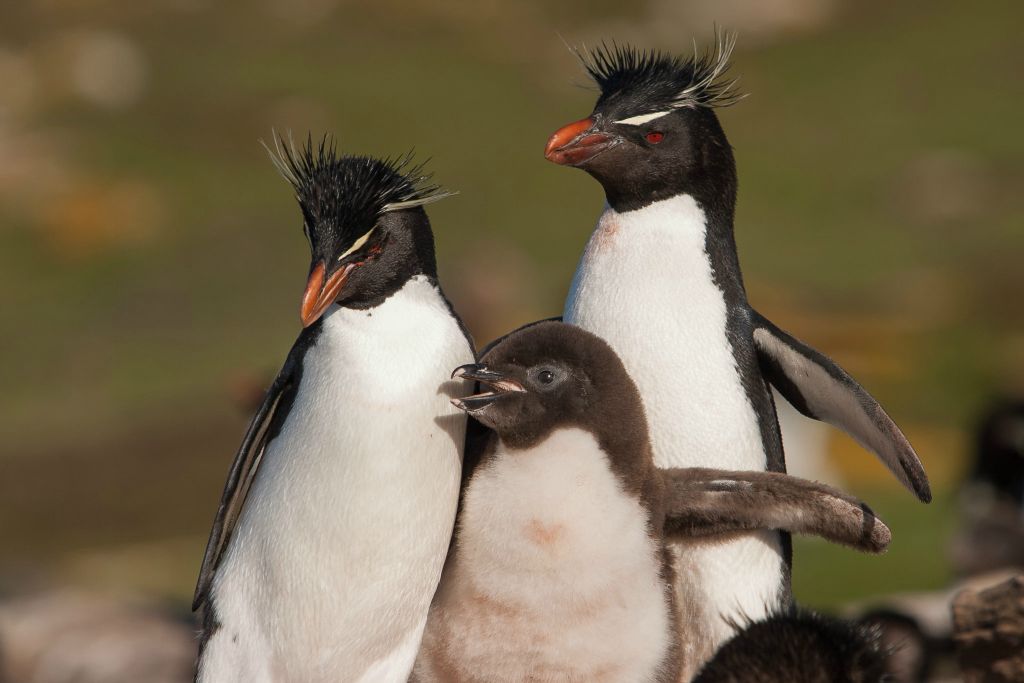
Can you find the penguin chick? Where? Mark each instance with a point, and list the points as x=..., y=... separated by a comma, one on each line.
x=559, y=570
x=803, y=647
x=338, y=510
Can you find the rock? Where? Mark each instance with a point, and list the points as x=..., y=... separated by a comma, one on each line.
x=68, y=636
x=988, y=629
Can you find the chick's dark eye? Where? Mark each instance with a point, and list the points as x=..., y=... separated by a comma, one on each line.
x=546, y=377
x=654, y=137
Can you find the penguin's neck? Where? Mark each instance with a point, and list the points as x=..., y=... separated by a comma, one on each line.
x=674, y=237
x=720, y=247
x=369, y=348
x=394, y=314
x=702, y=229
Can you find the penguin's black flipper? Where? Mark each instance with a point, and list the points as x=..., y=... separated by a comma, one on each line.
x=261, y=429
x=702, y=502
x=820, y=389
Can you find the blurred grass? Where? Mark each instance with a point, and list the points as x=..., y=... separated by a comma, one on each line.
x=127, y=326
x=827, y=575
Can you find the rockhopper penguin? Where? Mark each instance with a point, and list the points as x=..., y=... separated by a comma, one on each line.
x=558, y=570
x=338, y=510
x=660, y=281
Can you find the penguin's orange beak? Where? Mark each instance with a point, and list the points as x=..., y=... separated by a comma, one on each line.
x=577, y=142
x=319, y=295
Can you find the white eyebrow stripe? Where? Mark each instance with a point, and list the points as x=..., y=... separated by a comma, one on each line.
x=643, y=118
x=358, y=243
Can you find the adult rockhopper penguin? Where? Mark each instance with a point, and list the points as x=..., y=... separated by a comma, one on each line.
x=660, y=281
x=338, y=510
x=558, y=571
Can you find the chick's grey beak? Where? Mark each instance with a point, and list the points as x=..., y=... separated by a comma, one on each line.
x=476, y=371
x=494, y=385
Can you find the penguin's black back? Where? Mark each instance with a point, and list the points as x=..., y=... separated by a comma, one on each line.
x=803, y=647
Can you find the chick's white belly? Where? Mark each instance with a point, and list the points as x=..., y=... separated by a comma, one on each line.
x=555, y=578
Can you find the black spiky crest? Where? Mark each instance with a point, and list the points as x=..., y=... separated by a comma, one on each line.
x=348, y=193
x=655, y=80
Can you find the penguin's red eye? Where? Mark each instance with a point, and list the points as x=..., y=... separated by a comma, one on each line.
x=654, y=137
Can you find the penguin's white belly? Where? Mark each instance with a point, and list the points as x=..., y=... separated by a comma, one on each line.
x=339, y=548
x=555, y=577
x=646, y=286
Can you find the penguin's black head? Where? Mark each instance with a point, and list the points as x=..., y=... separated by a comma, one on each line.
x=552, y=375
x=364, y=219
x=653, y=133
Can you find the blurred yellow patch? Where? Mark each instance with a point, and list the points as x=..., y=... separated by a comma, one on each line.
x=941, y=451
x=93, y=217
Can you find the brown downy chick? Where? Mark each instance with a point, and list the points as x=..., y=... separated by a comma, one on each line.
x=559, y=570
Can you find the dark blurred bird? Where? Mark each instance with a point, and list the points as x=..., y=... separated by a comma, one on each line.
x=912, y=653
x=999, y=451
x=559, y=571
x=803, y=647
x=660, y=281
x=338, y=510
x=991, y=534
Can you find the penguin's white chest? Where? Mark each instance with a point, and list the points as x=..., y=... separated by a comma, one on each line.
x=555, y=578
x=645, y=284
x=340, y=545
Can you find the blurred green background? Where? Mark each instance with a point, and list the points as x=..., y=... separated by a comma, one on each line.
x=152, y=261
